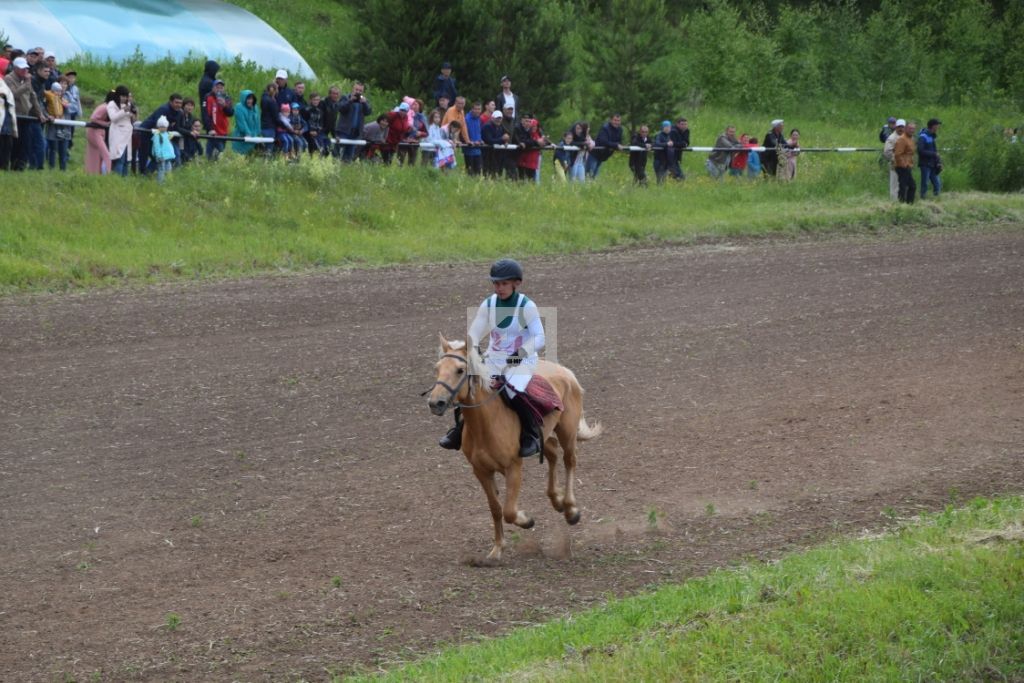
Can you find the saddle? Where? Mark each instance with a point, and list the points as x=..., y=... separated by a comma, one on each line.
x=541, y=395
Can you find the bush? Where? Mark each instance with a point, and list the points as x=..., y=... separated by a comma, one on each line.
x=995, y=164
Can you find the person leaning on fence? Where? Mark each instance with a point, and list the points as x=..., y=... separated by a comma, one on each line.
x=493, y=133
x=609, y=140
x=773, y=140
x=163, y=150
x=563, y=156
x=375, y=133
x=638, y=158
x=903, y=161
x=718, y=160
x=680, y=142
x=663, y=148
x=219, y=108
x=398, y=126
x=352, y=113
x=738, y=165
x=172, y=111
x=313, y=115
x=789, y=153
x=73, y=108
x=57, y=137
x=329, y=107
x=8, y=125
x=471, y=153
x=247, y=122
x=581, y=138
x=753, y=160
x=416, y=133
x=97, y=154
x=928, y=158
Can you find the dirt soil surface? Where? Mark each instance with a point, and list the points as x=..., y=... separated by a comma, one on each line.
x=239, y=480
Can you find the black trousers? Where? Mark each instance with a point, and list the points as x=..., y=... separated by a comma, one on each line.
x=6, y=147
x=907, y=186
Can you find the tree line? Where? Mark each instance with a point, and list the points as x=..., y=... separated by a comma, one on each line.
x=647, y=58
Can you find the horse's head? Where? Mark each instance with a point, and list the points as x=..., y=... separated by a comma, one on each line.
x=451, y=381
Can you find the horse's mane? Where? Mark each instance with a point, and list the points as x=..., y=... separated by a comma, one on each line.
x=478, y=370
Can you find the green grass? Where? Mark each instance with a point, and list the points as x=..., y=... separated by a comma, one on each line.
x=247, y=216
x=941, y=599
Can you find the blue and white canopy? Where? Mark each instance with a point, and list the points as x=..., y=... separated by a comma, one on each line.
x=116, y=28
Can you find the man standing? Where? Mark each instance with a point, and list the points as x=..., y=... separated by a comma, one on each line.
x=285, y=95
x=329, y=117
x=506, y=98
x=899, y=127
x=352, y=113
x=457, y=112
x=493, y=133
x=25, y=104
x=903, y=160
x=773, y=141
x=609, y=139
x=210, y=70
x=472, y=153
x=680, y=138
x=928, y=158
x=171, y=110
x=444, y=85
x=718, y=160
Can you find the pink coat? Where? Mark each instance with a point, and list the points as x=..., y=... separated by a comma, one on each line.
x=97, y=156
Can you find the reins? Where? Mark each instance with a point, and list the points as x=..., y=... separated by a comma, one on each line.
x=454, y=391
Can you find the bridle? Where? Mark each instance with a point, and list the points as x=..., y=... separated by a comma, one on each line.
x=454, y=391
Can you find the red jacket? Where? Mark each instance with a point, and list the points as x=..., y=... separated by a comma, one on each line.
x=398, y=126
x=219, y=113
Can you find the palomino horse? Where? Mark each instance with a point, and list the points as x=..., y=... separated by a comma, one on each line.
x=490, y=437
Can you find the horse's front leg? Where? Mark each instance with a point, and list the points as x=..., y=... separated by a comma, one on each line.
x=552, y=451
x=513, y=483
x=486, y=479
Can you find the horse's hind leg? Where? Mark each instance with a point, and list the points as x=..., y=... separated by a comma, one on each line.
x=491, y=490
x=571, y=512
x=513, y=483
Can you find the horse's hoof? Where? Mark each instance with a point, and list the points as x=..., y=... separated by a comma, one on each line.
x=528, y=524
x=574, y=518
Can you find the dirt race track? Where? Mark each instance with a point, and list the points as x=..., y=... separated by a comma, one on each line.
x=221, y=452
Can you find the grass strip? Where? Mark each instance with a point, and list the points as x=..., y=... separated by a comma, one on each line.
x=241, y=217
x=939, y=599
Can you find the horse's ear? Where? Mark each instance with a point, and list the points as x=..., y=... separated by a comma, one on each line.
x=444, y=343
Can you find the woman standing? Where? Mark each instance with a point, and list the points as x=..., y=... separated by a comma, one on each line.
x=121, y=128
x=97, y=156
x=790, y=151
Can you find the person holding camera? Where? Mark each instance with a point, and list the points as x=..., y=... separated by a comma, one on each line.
x=352, y=115
x=122, y=120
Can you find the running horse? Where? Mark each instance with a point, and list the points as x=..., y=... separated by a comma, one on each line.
x=490, y=437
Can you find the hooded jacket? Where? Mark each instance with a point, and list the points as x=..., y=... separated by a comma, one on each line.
x=247, y=122
x=205, y=87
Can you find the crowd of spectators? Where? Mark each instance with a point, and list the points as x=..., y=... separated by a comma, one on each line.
x=497, y=137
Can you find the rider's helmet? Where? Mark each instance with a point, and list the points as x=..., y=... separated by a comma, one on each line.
x=506, y=269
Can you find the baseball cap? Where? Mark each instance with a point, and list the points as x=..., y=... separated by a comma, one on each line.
x=666, y=123
x=20, y=63
x=497, y=115
x=281, y=73
x=892, y=119
x=505, y=78
x=50, y=54
x=404, y=106
x=218, y=81
x=900, y=122
x=446, y=65
x=777, y=122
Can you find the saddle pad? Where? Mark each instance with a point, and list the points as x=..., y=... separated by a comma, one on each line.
x=543, y=395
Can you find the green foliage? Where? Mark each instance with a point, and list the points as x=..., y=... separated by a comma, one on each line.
x=994, y=163
x=627, y=44
x=483, y=40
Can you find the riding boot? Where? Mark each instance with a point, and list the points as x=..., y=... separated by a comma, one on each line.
x=530, y=436
x=453, y=439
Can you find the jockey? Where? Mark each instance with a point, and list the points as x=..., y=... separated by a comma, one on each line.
x=515, y=334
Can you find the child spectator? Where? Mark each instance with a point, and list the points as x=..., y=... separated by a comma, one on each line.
x=564, y=157
x=190, y=142
x=444, y=152
x=314, y=116
x=73, y=108
x=218, y=109
x=285, y=132
x=57, y=137
x=417, y=133
x=530, y=140
x=581, y=138
x=739, y=160
x=162, y=149
x=638, y=158
x=753, y=160
x=299, y=130
x=663, y=151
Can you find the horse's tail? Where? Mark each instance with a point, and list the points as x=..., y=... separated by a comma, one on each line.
x=586, y=432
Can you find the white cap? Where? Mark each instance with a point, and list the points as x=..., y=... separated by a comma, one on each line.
x=777, y=122
x=20, y=63
x=281, y=73
x=900, y=122
x=497, y=115
x=162, y=122
x=48, y=55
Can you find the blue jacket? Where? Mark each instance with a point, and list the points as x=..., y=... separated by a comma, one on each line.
x=473, y=131
x=610, y=137
x=163, y=110
x=445, y=85
x=927, y=151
